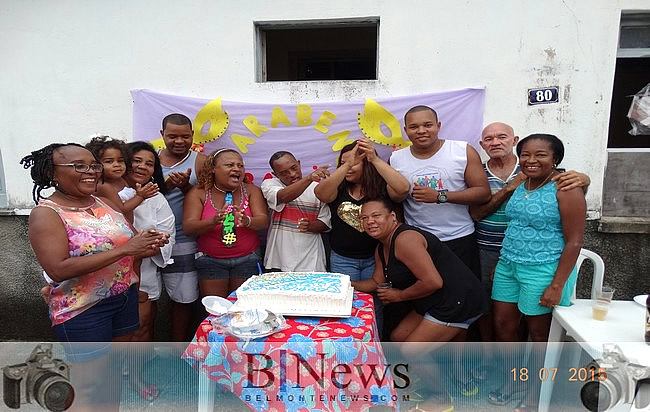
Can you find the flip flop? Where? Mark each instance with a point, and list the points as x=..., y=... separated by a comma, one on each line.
x=468, y=388
x=150, y=393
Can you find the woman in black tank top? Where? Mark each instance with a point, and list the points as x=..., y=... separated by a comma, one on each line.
x=443, y=293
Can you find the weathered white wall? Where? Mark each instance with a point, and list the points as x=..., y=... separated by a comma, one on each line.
x=67, y=66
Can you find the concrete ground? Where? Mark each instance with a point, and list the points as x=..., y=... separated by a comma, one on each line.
x=178, y=384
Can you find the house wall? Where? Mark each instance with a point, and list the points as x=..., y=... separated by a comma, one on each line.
x=68, y=67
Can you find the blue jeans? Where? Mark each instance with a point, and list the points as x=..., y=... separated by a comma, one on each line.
x=359, y=269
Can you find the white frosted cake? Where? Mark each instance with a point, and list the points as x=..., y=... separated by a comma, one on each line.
x=298, y=293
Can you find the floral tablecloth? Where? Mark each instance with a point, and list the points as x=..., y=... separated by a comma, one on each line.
x=329, y=364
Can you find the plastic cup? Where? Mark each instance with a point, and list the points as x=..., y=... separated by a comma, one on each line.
x=606, y=294
x=385, y=285
x=600, y=309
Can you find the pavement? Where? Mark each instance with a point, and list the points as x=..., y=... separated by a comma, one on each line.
x=178, y=385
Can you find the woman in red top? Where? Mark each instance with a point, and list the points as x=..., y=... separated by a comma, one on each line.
x=225, y=212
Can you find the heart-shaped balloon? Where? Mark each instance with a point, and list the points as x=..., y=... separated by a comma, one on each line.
x=350, y=214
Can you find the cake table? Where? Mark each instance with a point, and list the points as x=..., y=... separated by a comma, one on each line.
x=316, y=363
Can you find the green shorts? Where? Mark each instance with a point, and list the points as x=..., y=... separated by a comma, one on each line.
x=525, y=284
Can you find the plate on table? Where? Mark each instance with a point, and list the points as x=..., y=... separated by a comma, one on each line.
x=216, y=305
x=250, y=323
x=641, y=299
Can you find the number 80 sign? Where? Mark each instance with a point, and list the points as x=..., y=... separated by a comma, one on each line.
x=543, y=95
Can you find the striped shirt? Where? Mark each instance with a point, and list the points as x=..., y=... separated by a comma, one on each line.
x=490, y=230
x=287, y=248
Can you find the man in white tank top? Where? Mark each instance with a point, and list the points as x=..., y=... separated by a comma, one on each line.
x=446, y=176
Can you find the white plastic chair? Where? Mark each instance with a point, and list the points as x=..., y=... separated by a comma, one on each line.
x=596, y=287
x=599, y=272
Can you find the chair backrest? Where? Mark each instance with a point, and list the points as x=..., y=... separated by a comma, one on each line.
x=599, y=271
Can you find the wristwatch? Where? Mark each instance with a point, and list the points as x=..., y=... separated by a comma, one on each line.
x=442, y=196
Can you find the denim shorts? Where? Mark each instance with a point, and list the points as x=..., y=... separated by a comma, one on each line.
x=110, y=317
x=243, y=267
x=463, y=325
x=525, y=285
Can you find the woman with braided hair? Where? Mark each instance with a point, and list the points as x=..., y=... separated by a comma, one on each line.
x=225, y=212
x=89, y=252
x=86, y=248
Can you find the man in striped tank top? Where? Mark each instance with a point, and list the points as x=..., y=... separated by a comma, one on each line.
x=294, y=242
x=180, y=167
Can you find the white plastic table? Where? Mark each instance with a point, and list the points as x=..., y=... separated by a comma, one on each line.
x=623, y=326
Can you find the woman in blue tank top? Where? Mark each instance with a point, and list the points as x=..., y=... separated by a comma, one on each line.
x=536, y=269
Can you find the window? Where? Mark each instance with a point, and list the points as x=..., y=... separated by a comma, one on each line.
x=632, y=74
x=625, y=189
x=344, y=49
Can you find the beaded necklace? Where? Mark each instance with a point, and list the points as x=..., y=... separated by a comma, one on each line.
x=228, y=230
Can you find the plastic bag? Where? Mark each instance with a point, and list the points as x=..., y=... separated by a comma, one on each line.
x=639, y=113
x=249, y=323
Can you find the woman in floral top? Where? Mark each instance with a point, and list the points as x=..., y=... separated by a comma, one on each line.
x=67, y=231
x=87, y=250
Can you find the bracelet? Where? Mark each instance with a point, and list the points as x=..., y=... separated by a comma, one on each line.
x=250, y=220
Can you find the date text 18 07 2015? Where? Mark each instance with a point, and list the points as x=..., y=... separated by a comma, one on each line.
x=574, y=374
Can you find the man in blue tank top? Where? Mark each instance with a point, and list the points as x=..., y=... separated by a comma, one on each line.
x=180, y=167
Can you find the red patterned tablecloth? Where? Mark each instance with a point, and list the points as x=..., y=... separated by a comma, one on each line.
x=314, y=364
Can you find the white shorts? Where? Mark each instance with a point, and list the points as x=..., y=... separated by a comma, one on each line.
x=181, y=287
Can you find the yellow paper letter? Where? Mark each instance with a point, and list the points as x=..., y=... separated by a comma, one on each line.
x=278, y=116
x=242, y=142
x=254, y=125
x=341, y=141
x=370, y=124
x=303, y=115
x=324, y=120
x=218, y=119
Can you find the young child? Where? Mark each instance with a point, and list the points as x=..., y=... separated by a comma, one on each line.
x=114, y=155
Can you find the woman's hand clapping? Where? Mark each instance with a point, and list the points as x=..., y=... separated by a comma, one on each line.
x=146, y=191
x=143, y=242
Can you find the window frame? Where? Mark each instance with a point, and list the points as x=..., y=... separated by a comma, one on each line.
x=262, y=27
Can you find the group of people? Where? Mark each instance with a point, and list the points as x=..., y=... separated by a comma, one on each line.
x=440, y=239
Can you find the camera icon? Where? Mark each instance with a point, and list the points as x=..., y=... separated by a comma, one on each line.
x=41, y=378
x=621, y=382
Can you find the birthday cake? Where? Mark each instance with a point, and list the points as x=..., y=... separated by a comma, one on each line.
x=298, y=293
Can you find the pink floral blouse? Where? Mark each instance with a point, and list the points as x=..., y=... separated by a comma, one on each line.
x=95, y=229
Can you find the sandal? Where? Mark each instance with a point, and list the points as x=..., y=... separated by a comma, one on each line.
x=498, y=397
x=468, y=388
x=150, y=393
